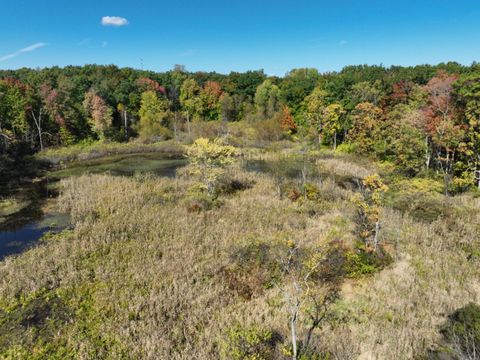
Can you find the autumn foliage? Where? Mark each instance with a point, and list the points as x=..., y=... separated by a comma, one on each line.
x=287, y=122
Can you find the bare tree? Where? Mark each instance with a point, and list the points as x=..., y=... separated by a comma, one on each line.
x=301, y=298
x=38, y=124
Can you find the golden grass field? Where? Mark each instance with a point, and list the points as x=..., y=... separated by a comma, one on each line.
x=144, y=274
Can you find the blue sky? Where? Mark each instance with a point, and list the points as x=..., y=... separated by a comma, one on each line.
x=238, y=35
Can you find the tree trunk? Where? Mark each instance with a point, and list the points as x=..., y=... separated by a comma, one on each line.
x=188, y=124
x=375, y=238
x=427, y=154
x=175, y=125
x=293, y=330
x=335, y=141
x=38, y=124
x=125, y=119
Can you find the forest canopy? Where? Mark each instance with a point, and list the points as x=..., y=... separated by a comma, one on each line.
x=422, y=118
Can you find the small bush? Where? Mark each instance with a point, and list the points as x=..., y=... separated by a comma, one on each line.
x=198, y=199
x=360, y=262
x=420, y=198
x=345, y=262
x=294, y=194
x=462, y=332
x=248, y=343
x=305, y=354
x=253, y=268
x=311, y=191
x=231, y=186
x=347, y=148
x=34, y=320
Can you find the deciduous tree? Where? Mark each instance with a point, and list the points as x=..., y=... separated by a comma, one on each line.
x=267, y=99
x=154, y=116
x=100, y=114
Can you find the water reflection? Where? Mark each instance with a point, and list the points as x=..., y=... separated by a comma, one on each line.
x=23, y=229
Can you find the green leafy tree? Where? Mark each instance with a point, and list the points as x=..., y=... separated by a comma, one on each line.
x=190, y=100
x=365, y=122
x=298, y=84
x=468, y=94
x=333, y=116
x=227, y=106
x=403, y=141
x=315, y=105
x=267, y=99
x=154, y=116
x=366, y=91
x=13, y=105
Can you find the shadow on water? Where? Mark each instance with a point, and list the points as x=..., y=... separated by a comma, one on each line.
x=23, y=228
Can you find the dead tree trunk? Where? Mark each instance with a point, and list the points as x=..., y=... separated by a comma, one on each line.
x=38, y=124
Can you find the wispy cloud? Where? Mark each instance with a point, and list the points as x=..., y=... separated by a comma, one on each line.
x=30, y=48
x=114, y=21
x=104, y=44
x=343, y=42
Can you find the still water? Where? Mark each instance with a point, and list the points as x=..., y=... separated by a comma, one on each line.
x=23, y=229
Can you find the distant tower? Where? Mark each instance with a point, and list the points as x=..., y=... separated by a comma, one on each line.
x=141, y=63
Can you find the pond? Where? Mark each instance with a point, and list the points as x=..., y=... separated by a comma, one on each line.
x=123, y=165
x=23, y=228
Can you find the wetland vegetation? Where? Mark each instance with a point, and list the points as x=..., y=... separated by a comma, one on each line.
x=315, y=216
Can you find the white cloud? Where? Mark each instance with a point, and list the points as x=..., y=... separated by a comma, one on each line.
x=30, y=48
x=114, y=21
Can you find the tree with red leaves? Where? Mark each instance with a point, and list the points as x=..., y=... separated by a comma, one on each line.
x=146, y=84
x=287, y=122
x=439, y=123
x=209, y=99
x=403, y=91
x=51, y=99
x=100, y=114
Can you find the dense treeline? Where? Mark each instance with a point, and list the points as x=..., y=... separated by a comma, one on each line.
x=424, y=119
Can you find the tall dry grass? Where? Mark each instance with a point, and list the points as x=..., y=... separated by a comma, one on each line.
x=146, y=278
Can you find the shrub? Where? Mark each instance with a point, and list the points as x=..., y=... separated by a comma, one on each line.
x=462, y=331
x=360, y=262
x=420, y=198
x=252, y=269
x=231, y=186
x=198, y=199
x=207, y=160
x=248, y=343
x=347, y=148
x=311, y=191
x=342, y=262
x=34, y=320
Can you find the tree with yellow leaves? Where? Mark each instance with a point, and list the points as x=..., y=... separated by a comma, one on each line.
x=208, y=158
x=368, y=204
